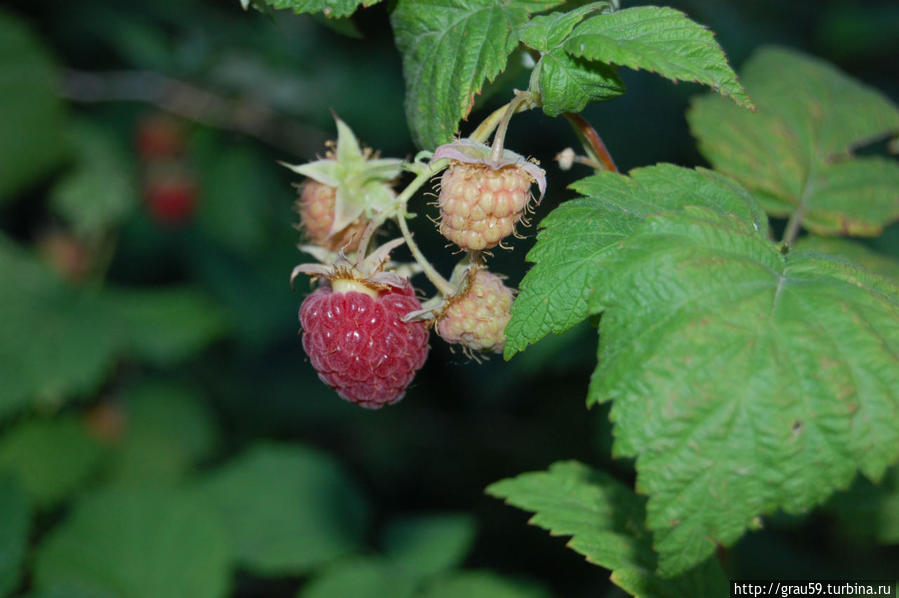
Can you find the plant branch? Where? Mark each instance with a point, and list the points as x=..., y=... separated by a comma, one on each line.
x=186, y=100
x=796, y=218
x=592, y=142
x=520, y=99
x=442, y=284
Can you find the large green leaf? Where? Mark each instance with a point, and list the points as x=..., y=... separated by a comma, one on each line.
x=51, y=458
x=14, y=523
x=429, y=544
x=556, y=292
x=450, y=49
x=606, y=521
x=658, y=39
x=166, y=325
x=55, y=341
x=287, y=509
x=874, y=261
x=744, y=380
x=796, y=149
x=167, y=430
x=31, y=142
x=99, y=191
x=137, y=543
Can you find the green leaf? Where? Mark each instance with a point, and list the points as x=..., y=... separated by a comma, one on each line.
x=137, y=543
x=31, y=143
x=743, y=380
x=547, y=32
x=360, y=577
x=450, y=49
x=860, y=254
x=657, y=39
x=429, y=544
x=52, y=458
x=55, y=341
x=330, y=8
x=287, y=509
x=100, y=191
x=606, y=522
x=555, y=293
x=167, y=431
x=14, y=523
x=481, y=584
x=796, y=148
x=167, y=325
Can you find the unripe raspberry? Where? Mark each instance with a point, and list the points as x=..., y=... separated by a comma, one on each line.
x=480, y=206
x=359, y=344
x=481, y=199
x=316, y=208
x=477, y=318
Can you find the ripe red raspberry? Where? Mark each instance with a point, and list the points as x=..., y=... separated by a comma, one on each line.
x=171, y=200
x=358, y=343
x=316, y=208
x=477, y=317
x=481, y=199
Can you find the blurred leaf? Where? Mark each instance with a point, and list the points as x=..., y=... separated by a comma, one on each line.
x=360, y=577
x=51, y=457
x=99, y=192
x=606, y=520
x=14, y=523
x=167, y=325
x=137, y=543
x=330, y=8
x=450, y=50
x=429, y=544
x=71, y=591
x=287, y=508
x=55, y=341
x=870, y=510
x=31, y=140
x=796, y=149
x=858, y=253
x=167, y=431
x=481, y=584
x=658, y=39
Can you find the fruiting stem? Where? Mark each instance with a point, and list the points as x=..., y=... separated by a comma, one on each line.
x=436, y=279
x=591, y=141
x=496, y=151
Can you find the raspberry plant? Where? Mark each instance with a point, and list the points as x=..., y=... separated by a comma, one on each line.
x=746, y=374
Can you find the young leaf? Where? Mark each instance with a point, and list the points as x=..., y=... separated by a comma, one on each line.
x=31, y=107
x=138, y=543
x=427, y=545
x=287, y=509
x=796, y=150
x=657, y=39
x=606, y=521
x=14, y=523
x=555, y=293
x=333, y=9
x=450, y=49
x=51, y=458
x=743, y=380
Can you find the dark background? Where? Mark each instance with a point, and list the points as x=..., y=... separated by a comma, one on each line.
x=462, y=425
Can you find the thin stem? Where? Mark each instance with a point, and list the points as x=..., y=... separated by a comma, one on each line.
x=499, y=138
x=489, y=124
x=436, y=279
x=796, y=218
x=591, y=141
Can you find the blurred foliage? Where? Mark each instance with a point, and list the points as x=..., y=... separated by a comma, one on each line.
x=161, y=433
